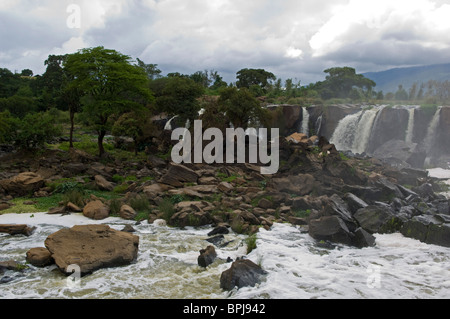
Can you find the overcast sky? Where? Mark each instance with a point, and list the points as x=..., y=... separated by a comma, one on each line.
x=295, y=39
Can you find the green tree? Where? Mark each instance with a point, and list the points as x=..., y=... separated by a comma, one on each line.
x=241, y=108
x=111, y=85
x=248, y=77
x=177, y=95
x=33, y=131
x=340, y=82
x=136, y=125
x=151, y=70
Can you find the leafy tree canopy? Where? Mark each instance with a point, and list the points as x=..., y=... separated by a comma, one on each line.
x=249, y=77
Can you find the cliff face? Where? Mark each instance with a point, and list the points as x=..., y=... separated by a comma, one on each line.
x=420, y=134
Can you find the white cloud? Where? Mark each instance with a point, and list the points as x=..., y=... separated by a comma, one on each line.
x=422, y=22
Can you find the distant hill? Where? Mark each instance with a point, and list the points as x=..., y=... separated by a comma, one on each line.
x=389, y=80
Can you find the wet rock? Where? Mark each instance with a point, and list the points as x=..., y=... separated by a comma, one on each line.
x=330, y=228
x=363, y=239
x=39, y=257
x=92, y=247
x=17, y=229
x=220, y=229
x=242, y=273
x=207, y=256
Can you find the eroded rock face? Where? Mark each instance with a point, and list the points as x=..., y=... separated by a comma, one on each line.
x=92, y=247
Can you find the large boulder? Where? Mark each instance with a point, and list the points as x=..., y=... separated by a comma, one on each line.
x=242, y=273
x=96, y=210
x=428, y=229
x=23, y=184
x=377, y=219
x=330, y=228
x=178, y=174
x=39, y=257
x=91, y=247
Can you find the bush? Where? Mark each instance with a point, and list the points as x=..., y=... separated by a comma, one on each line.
x=33, y=131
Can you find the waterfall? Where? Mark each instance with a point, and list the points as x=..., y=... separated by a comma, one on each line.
x=353, y=131
x=319, y=124
x=428, y=142
x=410, y=128
x=363, y=131
x=305, y=121
x=345, y=131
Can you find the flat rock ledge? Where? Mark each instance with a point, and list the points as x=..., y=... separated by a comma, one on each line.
x=91, y=247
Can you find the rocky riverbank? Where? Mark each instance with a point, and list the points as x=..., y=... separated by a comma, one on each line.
x=334, y=198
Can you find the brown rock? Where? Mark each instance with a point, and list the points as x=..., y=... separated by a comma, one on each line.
x=127, y=212
x=22, y=184
x=96, y=210
x=92, y=247
x=178, y=174
x=39, y=257
x=17, y=229
x=103, y=184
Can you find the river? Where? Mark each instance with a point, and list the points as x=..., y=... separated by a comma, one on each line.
x=166, y=268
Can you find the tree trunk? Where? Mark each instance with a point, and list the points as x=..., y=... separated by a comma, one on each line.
x=101, y=149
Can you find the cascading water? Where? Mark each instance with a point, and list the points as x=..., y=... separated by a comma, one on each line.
x=305, y=121
x=353, y=131
x=319, y=124
x=432, y=128
x=410, y=128
x=297, y=267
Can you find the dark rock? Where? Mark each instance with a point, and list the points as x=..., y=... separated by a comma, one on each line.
x=221, y=229
x=215, y=240
x=331, y=228
x=363, y=239
x=425, y=190
x=301, y=184
x=207, y=256
x=376, y=219
x=354, y=202
x=242, y=273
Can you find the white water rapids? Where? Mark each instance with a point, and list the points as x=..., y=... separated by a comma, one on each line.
x=397, y=267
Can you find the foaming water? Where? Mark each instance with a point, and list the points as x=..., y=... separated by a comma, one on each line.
x=297, y=266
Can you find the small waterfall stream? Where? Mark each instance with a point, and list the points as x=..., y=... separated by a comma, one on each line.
x=305, y=122
x=410, y=128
